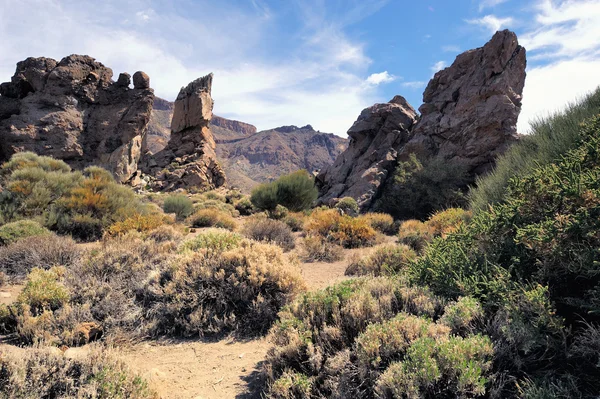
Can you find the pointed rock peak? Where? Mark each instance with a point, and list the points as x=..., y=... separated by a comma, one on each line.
x=200, y=85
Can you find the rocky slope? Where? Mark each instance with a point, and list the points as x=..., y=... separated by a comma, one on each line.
x=249, y=157
x=468, y=117
x=73, y=110
x=189, y=160
x=266, y=155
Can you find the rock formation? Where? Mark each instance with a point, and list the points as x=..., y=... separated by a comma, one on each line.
x=189, y=160
x=471, y=108
x=72, y=110
x=375, y=139
x=468, y=117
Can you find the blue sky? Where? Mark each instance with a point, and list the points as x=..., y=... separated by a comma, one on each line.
x=281, y=62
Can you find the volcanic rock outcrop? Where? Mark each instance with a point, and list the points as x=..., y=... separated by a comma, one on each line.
x=189, y=160
x=469, y=117
x=375, y=138
x=72, y=110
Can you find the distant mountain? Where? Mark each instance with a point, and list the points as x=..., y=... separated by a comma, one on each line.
x=250, y=157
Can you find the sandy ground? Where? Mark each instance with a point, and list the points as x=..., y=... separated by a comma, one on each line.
x=9, y=293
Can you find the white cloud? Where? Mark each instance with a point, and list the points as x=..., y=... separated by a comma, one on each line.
x=438, y=66
x=417, y=84
x=564, y=56
x=379, y=78
x=490, y=4
x=492, y=23
x=320, y=81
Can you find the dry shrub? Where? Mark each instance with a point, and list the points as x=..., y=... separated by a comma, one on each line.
x=43, y=252
x=295, y=220
x=137, y=222
x=383, y=260
x=243, y=289
x=382, y=222
x=317, y=249
x=165, y=233
x=347, y=231
x=348, y=206
x=3, y=279
x=415, y=234
x=211, y=217
x=46, y=373
x=270, y=231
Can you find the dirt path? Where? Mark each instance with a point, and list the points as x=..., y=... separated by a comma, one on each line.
x=200, y=369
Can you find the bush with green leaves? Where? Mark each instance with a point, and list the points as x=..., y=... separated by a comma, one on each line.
x=82, y=204
x=532, y=261
x=348, y=206
x=295, y=191
x=180, y=205
x=418, y=188
x=368, y=337
x=12, y=232
x=550, y=137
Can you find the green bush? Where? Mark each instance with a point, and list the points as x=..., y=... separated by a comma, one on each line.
x=12, y=232
x=180, y=205
x=549, y=139
x=532, y=261
x=418, y=188
x=214, y=242
x=76, y=203
x=295, y=191
x=348, y=205
x=244, y=206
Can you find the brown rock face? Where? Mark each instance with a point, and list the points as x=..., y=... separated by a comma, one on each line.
x=375, y=139
x=469, y=117
x=244, y=129
x=471, y=108
x=72, y=110
x=189, y=160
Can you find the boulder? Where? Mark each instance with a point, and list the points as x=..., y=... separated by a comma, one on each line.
x=141, y=81
x=72, y=110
